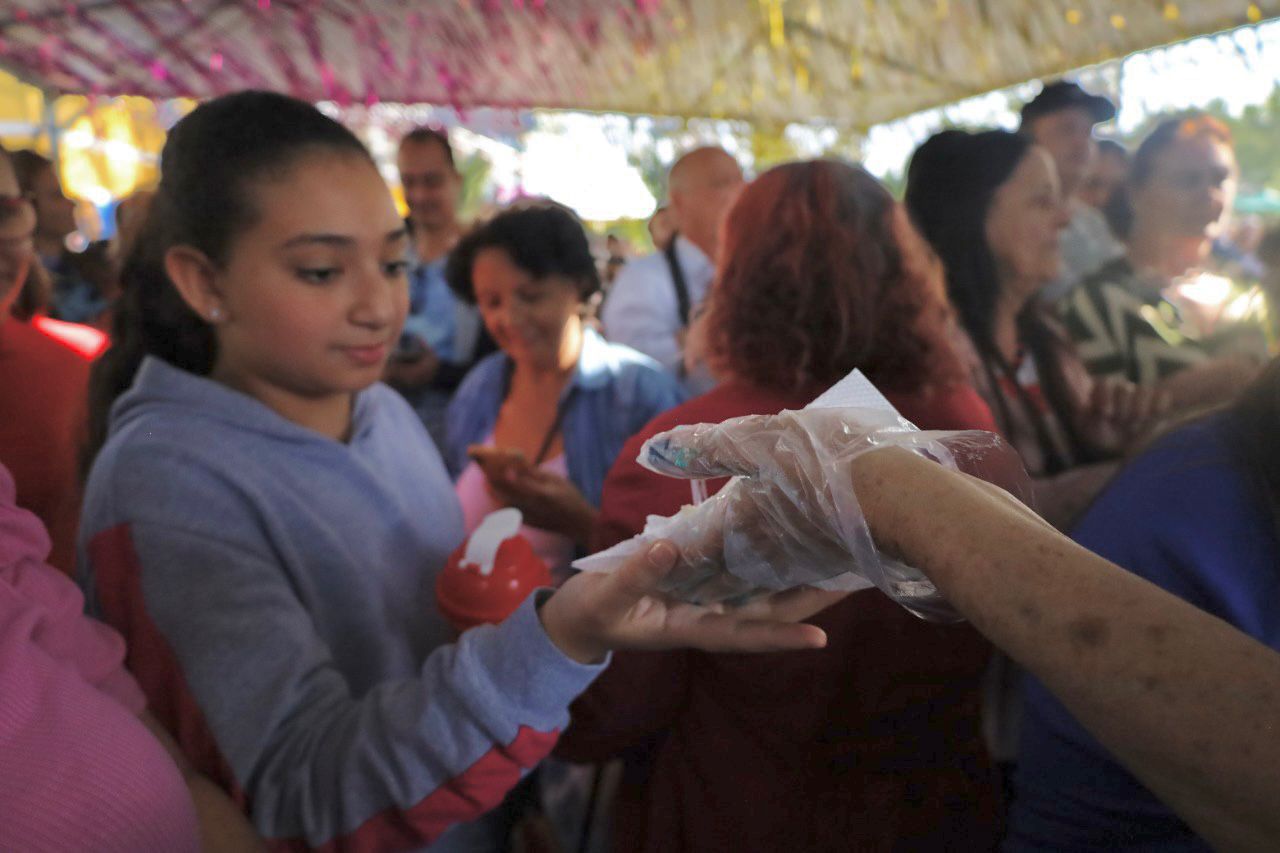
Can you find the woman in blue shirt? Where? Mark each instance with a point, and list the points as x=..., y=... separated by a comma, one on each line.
x=1199, y=515
x=548, y=414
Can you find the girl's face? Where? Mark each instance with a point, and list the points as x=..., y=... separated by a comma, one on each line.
x=313, y=293
x=1026, y=216
x=17, y=227
x=531, y=319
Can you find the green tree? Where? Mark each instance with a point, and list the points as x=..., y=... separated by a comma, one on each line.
x=653, y=170
x=1256, y=132
x=476, y=187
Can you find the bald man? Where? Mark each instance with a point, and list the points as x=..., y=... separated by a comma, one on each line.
x=654, y=297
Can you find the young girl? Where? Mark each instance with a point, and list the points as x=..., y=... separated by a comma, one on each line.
x=265, y=521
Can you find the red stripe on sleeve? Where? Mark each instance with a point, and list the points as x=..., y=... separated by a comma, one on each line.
x=477, y=790
x=118, y=581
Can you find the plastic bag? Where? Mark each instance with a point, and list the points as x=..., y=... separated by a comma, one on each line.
x=789, y=515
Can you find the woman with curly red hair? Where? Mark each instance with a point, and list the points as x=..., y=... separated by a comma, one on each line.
x=873, y=744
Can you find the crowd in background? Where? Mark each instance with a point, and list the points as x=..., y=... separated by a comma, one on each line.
x=254, y=425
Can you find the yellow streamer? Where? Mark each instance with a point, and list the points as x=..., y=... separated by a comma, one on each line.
x=777, y=25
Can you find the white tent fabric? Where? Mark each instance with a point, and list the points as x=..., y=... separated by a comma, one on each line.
x=851, y=62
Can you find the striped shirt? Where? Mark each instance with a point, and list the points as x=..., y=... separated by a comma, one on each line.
x=1125, y=328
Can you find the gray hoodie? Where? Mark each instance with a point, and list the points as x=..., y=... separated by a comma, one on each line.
x=276, y=590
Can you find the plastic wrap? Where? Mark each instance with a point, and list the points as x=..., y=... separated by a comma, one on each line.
x=789, y=516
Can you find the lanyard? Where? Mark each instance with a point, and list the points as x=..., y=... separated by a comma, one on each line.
x=557, y=425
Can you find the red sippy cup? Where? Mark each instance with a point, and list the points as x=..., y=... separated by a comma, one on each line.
x=490, y=574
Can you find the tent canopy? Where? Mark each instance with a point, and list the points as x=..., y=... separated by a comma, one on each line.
x=851, y=62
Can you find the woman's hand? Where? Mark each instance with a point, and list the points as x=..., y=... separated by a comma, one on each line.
x=594, y=613
x=546, y=500
x=1121, y=415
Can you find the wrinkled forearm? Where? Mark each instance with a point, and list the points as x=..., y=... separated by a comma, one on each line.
x=1184, y=700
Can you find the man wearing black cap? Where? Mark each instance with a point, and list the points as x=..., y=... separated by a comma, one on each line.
x=1061, y=120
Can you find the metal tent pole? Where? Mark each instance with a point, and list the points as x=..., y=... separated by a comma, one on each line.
x=51, y=125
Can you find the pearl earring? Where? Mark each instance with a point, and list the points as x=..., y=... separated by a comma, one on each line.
x=215, y=316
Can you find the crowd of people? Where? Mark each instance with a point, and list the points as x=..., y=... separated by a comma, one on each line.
x=241, y=441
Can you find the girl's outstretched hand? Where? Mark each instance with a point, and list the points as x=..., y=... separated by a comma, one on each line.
x=594, y=613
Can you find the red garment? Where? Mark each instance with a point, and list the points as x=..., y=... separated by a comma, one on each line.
x=1033, y=390
x=871, y=744
x=85, y=340
x=44, y=386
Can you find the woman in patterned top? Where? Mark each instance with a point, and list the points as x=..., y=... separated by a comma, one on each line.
x=1124, y=317
x=990, y=205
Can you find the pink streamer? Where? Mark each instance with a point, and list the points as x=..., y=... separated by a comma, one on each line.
x=49, y=28
x=174, y=46
x=271, y=47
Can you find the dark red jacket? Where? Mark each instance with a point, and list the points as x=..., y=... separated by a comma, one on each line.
x=873, y=743
x=44, y=388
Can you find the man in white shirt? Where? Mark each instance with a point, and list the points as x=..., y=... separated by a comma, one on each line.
x=442, y=335
x=1060, y=119
x=655, y=297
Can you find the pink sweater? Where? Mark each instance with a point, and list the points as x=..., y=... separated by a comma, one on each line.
x=77, y=768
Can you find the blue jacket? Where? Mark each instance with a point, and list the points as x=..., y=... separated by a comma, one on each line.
x=615, y=391
x=276, y=588
x=1185, y=517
